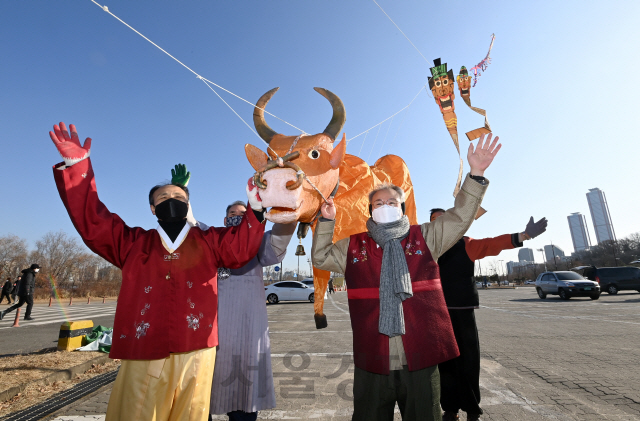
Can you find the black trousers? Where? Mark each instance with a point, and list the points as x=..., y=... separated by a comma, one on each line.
x=460, y=377
x=5, y=294
x=23, y=299
x=416, y=392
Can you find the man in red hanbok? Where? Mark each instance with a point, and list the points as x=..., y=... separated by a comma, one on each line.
x=166, y=328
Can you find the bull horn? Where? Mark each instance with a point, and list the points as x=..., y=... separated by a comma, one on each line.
x=339, y=115
x=263, y=129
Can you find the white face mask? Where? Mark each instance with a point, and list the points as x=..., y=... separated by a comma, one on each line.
x=385, y=214
x=36, y=270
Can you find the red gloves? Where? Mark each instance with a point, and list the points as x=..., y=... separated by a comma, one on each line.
x=69, y=146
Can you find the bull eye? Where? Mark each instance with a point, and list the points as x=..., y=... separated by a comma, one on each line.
x=314, y=154
x=438, y=83
x=445, y=82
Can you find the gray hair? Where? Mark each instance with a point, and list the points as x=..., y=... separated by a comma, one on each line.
x=236, y=203
x=387, y=186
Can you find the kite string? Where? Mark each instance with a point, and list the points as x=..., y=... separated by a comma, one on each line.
x=391, y=116
x=106, y=9
x=374, y=141
x=365, y=139
x=396, y=25
x=385, y=136
x=404, y=116
x=207, y=81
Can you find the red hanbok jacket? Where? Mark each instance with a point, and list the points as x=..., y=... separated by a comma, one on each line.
x=168, y=301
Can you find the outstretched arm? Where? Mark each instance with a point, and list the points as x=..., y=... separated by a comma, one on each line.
x=446, y=230
x=274, y=244
x=478, y=249
x=102, y=231
x=324, y=253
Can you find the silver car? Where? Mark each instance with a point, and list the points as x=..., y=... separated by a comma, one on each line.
x=566, y=284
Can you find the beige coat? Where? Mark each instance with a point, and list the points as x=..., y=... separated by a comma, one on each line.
x=439, y=235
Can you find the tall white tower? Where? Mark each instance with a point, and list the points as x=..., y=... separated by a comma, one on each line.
x=600, y=215
x=579, y=231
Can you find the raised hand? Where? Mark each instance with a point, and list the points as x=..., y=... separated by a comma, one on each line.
x=534, y=229
x=254, y=196
x=480, y=159
x=180, y=175
x=69, y=146
x=328, y=209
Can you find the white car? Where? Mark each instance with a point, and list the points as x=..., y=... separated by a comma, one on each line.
x=309, y=282
x=288, y=291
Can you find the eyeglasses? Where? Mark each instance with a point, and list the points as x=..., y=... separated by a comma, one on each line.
x=391, y=202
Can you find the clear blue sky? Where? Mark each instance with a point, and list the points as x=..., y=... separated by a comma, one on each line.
x=561, y=93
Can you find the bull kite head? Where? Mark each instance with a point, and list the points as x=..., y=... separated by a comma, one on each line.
x=294, y=186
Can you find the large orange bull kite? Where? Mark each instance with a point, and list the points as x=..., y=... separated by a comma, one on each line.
x=298, y=173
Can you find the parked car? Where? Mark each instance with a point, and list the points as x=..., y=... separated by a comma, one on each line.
x=288, y=291
x=612, y=280
x=529, y=282
x=566, y=284
x=309, y=282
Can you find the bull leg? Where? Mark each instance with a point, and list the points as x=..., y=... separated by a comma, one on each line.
x=320, y=283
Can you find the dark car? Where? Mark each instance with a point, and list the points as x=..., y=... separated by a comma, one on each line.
x=566, y=284
x=612, y=280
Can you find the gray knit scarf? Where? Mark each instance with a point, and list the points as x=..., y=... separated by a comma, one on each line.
x=395, y=281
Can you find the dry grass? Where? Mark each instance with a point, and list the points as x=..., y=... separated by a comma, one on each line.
x=30, y=368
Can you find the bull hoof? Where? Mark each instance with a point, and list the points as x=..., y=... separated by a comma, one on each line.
x=321, y=321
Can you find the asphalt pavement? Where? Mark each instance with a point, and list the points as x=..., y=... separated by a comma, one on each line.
x=43, y=332
x=541, y=360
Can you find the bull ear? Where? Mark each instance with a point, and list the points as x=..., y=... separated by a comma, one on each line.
x=256, y=157
x=337, y=155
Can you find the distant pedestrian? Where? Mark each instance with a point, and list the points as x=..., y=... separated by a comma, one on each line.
x=6, y=291
x=331, y=286
x=14, y=291
x=27, y=287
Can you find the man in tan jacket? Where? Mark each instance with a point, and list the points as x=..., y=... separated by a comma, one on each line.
x=401, y=327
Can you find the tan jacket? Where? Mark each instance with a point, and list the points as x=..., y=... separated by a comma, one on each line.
x=439, y=235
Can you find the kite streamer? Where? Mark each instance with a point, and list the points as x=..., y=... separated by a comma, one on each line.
x=464, y=86
x=482, y=66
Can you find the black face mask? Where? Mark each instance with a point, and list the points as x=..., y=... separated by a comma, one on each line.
x=172, y=210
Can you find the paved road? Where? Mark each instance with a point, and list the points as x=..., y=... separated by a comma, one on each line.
x=44, y=330
x=541, y=360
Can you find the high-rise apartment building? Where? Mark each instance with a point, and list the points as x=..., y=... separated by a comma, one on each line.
x=525, y=255
x=579, y=231
x=600, y=215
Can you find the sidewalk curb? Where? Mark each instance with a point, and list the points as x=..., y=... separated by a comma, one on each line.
x=66, y=374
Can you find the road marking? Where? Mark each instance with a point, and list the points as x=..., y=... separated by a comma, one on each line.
x=314, y=354
x=336, y=306
x=27, y=324
x=314, y=331
x=557, y=316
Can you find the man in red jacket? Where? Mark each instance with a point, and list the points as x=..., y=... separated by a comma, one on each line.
x=165, y=328
x=460, y=377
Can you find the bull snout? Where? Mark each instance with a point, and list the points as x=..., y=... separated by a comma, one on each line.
x=277, y=194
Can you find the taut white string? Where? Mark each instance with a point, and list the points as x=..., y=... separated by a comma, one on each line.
x=405, y=35
x=106, y=9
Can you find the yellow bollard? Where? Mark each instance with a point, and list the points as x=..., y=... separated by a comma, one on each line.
x=72, y=334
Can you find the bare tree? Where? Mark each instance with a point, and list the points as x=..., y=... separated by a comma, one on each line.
x=57, y=254
x=13, y=255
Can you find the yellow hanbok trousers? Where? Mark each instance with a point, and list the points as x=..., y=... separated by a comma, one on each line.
x=177, y=388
